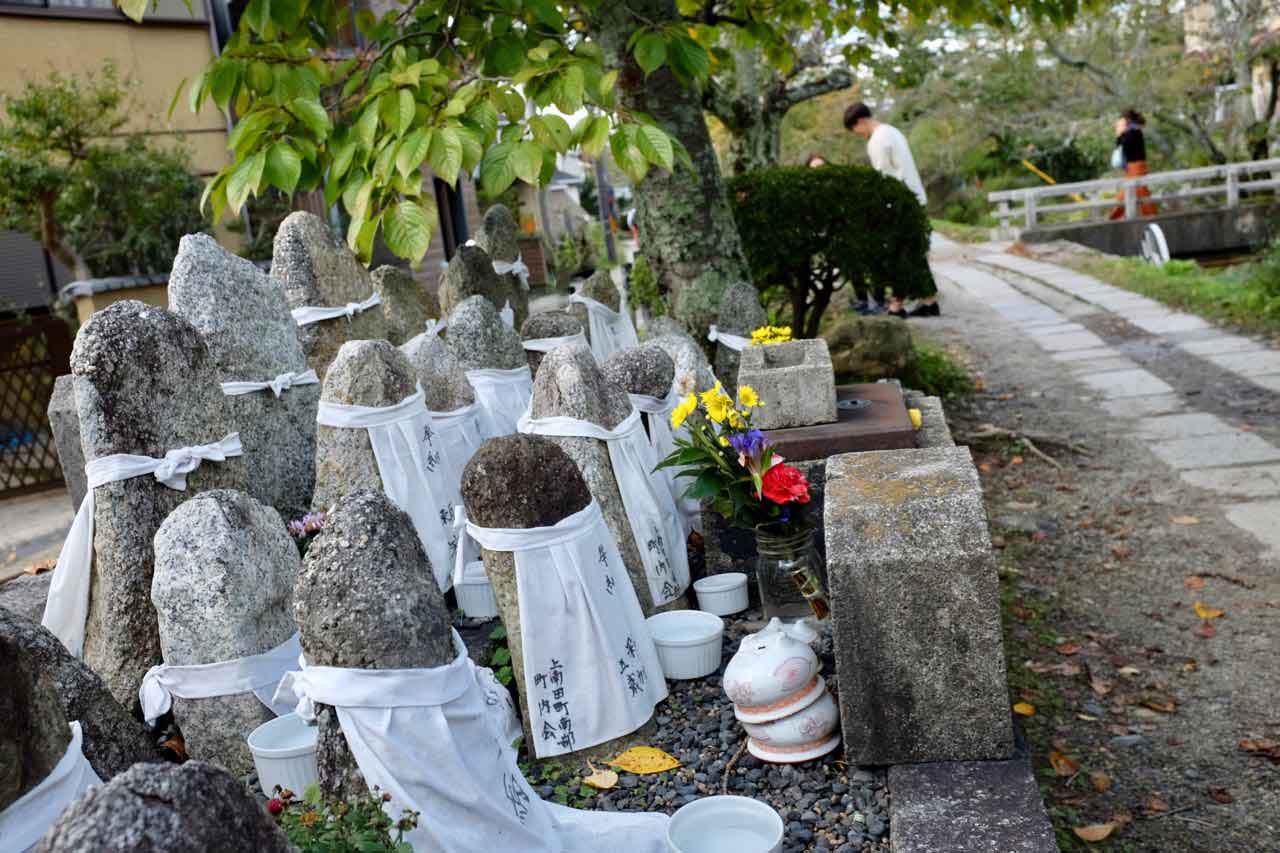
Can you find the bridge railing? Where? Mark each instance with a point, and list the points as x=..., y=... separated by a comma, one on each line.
x=1221, y=185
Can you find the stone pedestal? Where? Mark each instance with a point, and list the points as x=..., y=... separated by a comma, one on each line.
x=915, y=606
x=882, y=425
x=794, y=381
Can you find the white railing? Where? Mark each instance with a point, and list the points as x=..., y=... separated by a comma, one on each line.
x=1230, y=180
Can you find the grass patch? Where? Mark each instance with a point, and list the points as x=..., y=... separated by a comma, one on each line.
x=960, y=232
x=936, y=374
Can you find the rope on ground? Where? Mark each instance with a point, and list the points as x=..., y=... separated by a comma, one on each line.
x=728, y=768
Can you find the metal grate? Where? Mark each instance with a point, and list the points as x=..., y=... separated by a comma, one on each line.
x=33, y=353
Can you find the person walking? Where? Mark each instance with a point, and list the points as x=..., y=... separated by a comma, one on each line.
x=891, y=155
x=1131, y=155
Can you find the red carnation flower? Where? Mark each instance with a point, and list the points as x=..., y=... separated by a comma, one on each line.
x=275, y=805
x=783, y=484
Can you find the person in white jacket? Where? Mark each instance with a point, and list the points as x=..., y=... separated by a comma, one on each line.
x=891, y=155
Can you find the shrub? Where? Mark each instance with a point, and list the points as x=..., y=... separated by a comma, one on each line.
x=567, y=259
x=358, y=825
x=643, y=288
x=812, y=231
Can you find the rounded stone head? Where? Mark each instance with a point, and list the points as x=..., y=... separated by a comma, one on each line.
x=550, y=324
x=369, y=373
x=522, y=481
x=569, y=383
x=499, y=233
x=444, y=382
x=645, y=369
x=600, y=287
x=479, y=338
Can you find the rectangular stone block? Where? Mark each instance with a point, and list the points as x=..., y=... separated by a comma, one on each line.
x=1214, y=451
x=915, y=608
x=64, y=421
x=1126, y=383
x=1253, y=481
x=933, y=431
x=795, y=381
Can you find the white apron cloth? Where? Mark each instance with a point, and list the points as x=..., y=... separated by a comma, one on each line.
x=28, y=818
x=67, y=607
x=548, y=344
x=737, y=343
x=610, y=330
x=503, y=396
x=435, y=740
x=517, y=267
x=657, y=419
x=414, y=472
x=651, y=510
x=308, y=314
x=591, y=671
x=276, y=386
x=258, y=674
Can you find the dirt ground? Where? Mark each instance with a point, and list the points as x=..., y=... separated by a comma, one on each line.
x=1153, y=724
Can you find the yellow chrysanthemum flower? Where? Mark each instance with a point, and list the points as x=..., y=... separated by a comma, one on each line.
x=748, y=397
x=771, y=335
x=682, y=411
x=717, y=403
x=724, y=442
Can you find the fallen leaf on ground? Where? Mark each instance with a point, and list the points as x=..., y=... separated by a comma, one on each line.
x=1100, y=686
x=1067, y=648
x=1155, y=804
x=40, y=566
x=979, y=385
x=1193, y=582
x=1094, y=831
x=1024, y=709
x=1206, y=612
x=1129, y=671
x=1100, y=781
x=1185, y=519
x=1121, y=552
x=1205, y=630
x=1265, y=747
x=1066, y=668
x=985, y=467
x=1064, y=487
x=1220, y=795
x=1164, y=706
x=1017, y=460
x=601, y=779
x=643, y=760
x=178, y=746
x=1062, y=764
x=1189, y=666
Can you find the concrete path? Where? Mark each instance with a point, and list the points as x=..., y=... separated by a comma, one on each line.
x=1110, y=341
x=32, y=528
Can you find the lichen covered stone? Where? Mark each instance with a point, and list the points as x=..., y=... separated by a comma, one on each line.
x=479, y=339
x=406, y=303
x=645, y=369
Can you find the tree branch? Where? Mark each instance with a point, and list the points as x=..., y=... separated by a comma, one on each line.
x=828, y=79
x=1101, y=77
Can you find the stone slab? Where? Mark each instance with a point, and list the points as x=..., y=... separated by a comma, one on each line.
x=1086, y=354
x=1188, y=425
x=1127, y=383
x=1253, y=481
x=1258, y=518
x=915, y=608
x=1248, y=363
x=884, y=426
x=1163, y=322
x=1052, y=329
x=1219, y=344
x=1102, y=365
x=1142, y=407
x=1070, y=341
x=1240, y=448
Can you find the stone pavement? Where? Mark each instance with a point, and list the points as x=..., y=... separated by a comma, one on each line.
x=1111, y=341
x=32, y=528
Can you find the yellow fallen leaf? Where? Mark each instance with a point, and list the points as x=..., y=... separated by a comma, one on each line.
x=1062, y=764
x=916, y=419
x=1024, y=709
x=643, y=760
x=1094, y=831
x=1206, y=612
x=1100, y=781
x=1185, y=519
x=601, y=780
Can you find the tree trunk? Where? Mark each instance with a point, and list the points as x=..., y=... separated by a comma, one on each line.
x=51, y=239
x=759, y=144
x=686, y=226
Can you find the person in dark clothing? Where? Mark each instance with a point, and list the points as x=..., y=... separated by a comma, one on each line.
x=1133, y=150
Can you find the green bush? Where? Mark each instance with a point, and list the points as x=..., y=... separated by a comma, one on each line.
x=812, y=231
x=933, y=372
x=567, y=259
x=358, y=825
x=643, y=288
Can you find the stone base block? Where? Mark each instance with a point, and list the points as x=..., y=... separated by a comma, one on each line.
x=795, y=382
x=933, y=431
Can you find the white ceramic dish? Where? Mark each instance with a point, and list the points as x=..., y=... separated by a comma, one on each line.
x=764, y=753
x=688, y=642
x=722, y=594
x=798, y=733
x=284, y=752
x=475, y=594
x=725, y=824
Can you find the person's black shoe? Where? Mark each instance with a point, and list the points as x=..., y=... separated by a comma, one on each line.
x=930, y=309
x=900, y=314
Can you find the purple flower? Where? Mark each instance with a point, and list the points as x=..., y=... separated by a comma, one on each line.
x=750, y=443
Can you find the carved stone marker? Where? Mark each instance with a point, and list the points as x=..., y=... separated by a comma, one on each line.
x=794, y=381
x=542, y=329
x=64, y=420
x=406, y=304
x=470, y=273
x=499, y=236
x=740, y=314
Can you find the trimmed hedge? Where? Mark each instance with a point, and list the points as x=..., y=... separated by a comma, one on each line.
x=810, y=231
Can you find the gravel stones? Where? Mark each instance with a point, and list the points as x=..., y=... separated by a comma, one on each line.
x=547, y=324
x=35, y=734
x=479, y=339
x=318, y=270
x=223, y=589
x=64, y=421
x=364, y=373
x=646, y=369
x=192, y=808
x=740, y=314
x=470, y=273
x=406, y=304
x=145, y=384
x=444, y=382
x=499, y=236
x=244, y=318
x=113, y=739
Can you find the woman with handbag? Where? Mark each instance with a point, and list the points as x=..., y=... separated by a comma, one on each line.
x=1131, y=155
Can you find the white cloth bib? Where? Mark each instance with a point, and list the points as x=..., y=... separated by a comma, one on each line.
x=276, y=386
x=257, y=674
x=610, y=330
x=591, y=671
x=415, y=475
x=437, y=741
x=651, y=510
x=516, y=267
x=737, y=343
x=67, y=607
x=503, y=396
x=548, y=344
x=657, y=419
x=307, y=314
x=29, y=817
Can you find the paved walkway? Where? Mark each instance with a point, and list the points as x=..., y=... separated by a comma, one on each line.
x=1101, y=335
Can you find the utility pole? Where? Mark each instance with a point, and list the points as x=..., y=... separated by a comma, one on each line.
x=604, y=201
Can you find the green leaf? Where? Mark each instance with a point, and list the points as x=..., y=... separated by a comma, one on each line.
x=408, y=105
x=445, y=154
x=605, y=88
x=385, y=162
x=504, y=56
x=342, y=156
x=707, y=485
x=310, y=113
x=223, y=79
x=177, y=93
x=655, y=145
x=199, y=89
x=413, y=150
x=366, y=127
x=650, y=52
x=406, y=227
x=497, y=171
x=688, y=58
x=257, y=15
x=245, y=179
x=498, y=633
x=135, y=9
x=472, y=148
x=501, y=655
x=260, y=78
x=571, y=89
x=553, y=132
x=527, y=161
x=284, y=165
x=595, y=135
x=626, y=155
x=356, y=195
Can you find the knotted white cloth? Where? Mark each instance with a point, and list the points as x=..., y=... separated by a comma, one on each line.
x=276, y=386
x=737, y=343
x=508, y=315
x=306, y=314
x=517, y=267
x=257, y=674
x=414, y=473
x=435, y=327
x=503, y=396
x=657, y=418
x=67, y=607
x=548, y=344
x=436, y=740
x=651, y=510
x=591, y=671
x=29, y=817
x=610, y=330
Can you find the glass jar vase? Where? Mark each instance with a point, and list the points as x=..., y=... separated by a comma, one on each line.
x=787, y=573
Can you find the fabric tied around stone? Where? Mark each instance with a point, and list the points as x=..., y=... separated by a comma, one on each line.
x=657, y=416
x=257, y=674
x=439, y=741
x=29, y=817
x=592, y=673
x=651, y=510
x=435, y=327
x=276, y=386
x=503, y=395
x=516, y=267
x=737, y=343
x=548, y=344
x=508, y=315
x=67, y=608
x=415, y=475
x=307, y=314
x=610, y=330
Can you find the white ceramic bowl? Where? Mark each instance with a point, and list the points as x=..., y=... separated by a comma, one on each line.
x=475, y=594
x=722, y=594
x=284, y=752
x=725, y=824
x=796, y=737
x=688, y=642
